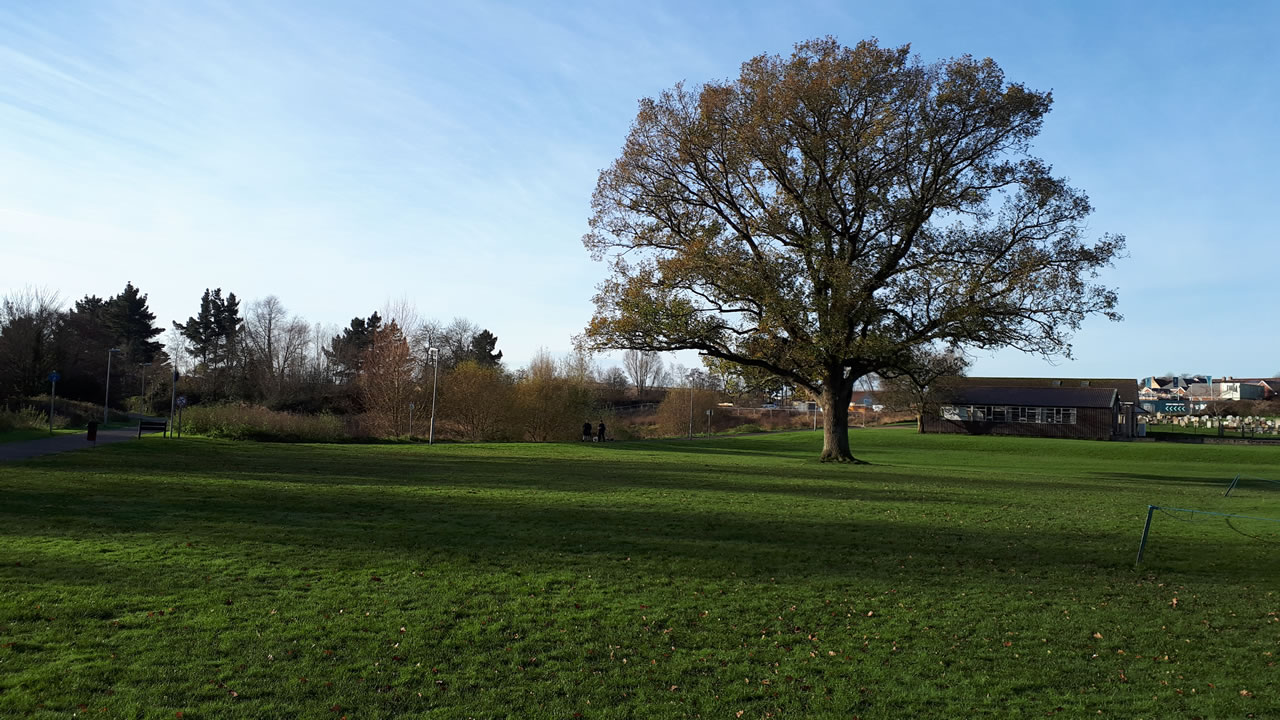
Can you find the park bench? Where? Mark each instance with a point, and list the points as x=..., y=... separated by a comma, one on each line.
x=152, y=426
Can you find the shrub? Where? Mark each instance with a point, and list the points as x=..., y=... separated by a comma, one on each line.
x=476, y=400
x=72, y=413
x=252, y=422
x=674, y=412
x=26, y=419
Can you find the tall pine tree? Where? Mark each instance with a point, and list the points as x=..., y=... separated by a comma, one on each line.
x=482, y=349
x=346, y=351
x=212, y=334
x=201, y=332
x=228, y=324
x=132, y=324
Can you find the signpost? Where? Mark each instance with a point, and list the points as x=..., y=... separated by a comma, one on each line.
x=53, y=390
x=182, y=403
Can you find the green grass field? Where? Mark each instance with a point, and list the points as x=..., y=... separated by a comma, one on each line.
x=718, y=578
x=7, y=436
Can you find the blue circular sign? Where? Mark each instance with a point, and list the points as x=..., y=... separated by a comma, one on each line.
x=54, y=376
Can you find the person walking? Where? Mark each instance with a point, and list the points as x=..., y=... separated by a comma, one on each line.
x=600, y=432
x=586, y=432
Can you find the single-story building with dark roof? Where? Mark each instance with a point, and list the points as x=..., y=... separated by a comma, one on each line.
x=1094, y=413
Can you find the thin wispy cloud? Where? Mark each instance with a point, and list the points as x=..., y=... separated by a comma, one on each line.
x=336, y=155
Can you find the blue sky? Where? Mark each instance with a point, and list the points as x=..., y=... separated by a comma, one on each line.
x=341, y=154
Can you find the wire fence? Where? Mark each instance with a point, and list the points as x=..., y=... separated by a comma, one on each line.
x=1170, y=511
x=1235, y=482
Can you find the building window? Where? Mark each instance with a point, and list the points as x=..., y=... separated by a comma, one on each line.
x=1000, y=413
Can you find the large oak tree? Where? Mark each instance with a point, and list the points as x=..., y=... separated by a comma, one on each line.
x=840, y=212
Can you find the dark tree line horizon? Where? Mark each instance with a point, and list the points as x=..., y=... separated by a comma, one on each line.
x=258, y=352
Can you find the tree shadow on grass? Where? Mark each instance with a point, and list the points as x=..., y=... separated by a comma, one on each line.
x=589, y=473
x=520, y=507
x=690, y=542
x=1205, y=480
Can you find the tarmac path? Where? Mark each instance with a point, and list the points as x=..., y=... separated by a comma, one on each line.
x=63, y=443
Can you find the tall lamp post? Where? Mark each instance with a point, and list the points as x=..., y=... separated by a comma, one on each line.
x=690, y=378
x=142, y=399
x=106, y=399
x=434, y=355
x=173, y=394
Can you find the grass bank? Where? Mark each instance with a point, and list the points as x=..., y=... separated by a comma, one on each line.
x=730, y=577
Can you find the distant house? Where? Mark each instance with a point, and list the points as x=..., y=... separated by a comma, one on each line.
x=1227, y=391
x=1268, y=387
x=864, y=401
x=1098, y=409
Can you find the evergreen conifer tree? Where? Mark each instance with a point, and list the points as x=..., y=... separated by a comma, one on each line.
x=132, y=324
x=482, y=349
x=345, y=351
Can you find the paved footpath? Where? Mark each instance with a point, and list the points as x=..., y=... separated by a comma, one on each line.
x=63, y=443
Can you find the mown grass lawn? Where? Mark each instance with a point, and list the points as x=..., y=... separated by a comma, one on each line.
x=7, y=436
x=721, y=578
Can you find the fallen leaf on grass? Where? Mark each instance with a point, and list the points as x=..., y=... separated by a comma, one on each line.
x=1097, y=636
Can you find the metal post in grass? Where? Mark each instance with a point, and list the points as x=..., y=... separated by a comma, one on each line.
x=433, y=354
x=1146, y=530
x=1234, y=481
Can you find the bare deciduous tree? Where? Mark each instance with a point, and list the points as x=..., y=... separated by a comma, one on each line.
x=645, y=368
x=386, y=381
x=276, y=345
x=477, y=401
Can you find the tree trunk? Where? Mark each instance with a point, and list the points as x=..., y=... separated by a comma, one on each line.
x=836, y=392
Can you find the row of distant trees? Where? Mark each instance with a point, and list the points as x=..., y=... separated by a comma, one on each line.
x=260, y=353
x=38, y=335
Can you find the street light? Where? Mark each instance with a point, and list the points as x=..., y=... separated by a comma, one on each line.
x=433, y=354
x=107, y=397
x=691, y=376
x=142, y=399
